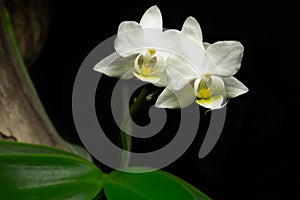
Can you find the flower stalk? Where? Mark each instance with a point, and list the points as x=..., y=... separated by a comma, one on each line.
x=126, y=139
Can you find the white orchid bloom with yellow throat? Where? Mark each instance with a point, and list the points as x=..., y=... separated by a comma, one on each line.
x=209, y=84
x=139, y=50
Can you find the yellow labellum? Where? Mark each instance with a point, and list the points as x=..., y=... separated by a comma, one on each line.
x=205, y=93
x=209, y=102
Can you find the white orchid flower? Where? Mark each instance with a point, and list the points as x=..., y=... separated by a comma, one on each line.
x=139, y=50
x=210, y=83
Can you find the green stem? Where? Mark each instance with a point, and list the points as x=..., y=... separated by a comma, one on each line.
x=125, y=138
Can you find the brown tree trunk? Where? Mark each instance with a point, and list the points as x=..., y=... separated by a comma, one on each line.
x=30, y=20
x=22, y=116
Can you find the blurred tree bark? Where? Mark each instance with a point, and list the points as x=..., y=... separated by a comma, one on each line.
x=30, y=20
x=22, y=34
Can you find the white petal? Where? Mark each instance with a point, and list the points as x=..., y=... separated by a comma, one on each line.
x=215, y=102
x=209, y=65
x=227, y=55
x=191, y=44
x=176, y=99
x=152, y=19
x=184, y=46
x=160, y=70
x=130, y=38
x=116, y=66
x=168, y=43
x=163, y=80
x=217, y=86
x=128, y=26
x=136, y=64
x=196, y=85
x=234, y=87
x=206, y=45
x=191, y=29
x=179, y=72
x=167, y=99
x=160, y=66
x=169, y=40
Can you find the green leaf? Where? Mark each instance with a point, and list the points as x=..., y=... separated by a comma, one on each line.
x=79, y=151
x=197, y=193
x=157, y=185
x=25, y=148
x=18, y=147
x=33, y=176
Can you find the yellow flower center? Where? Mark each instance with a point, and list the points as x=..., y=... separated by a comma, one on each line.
x=146, y=70
x=204, y=91
x=148, y=62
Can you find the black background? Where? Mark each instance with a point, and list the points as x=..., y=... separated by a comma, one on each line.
x=256, y=155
